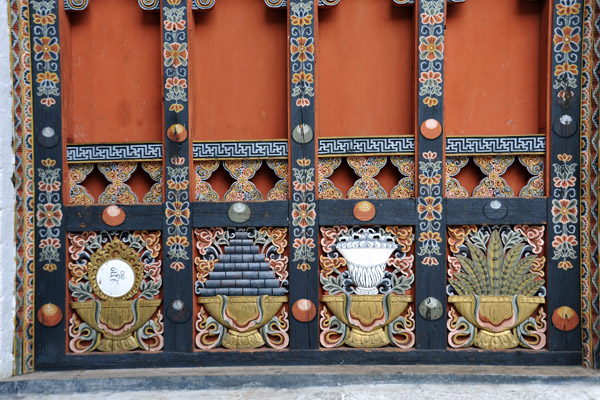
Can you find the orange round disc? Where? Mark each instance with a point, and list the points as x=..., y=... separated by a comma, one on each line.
x=113, y=215
x=431, y=129
x=364, y=211
x=49, y=315
x=177, y=133
x=565, y=319
x=304, y=310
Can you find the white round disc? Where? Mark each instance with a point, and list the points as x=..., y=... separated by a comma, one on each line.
x=115, y=278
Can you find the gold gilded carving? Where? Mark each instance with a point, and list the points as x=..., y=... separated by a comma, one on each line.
x=243, y=316
x=496, y=316
x=368, y=316
x=118, y=250
x=117, y=320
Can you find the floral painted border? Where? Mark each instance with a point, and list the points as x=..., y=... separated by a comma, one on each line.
x=177, y=204
x=46, y=51
x=565, y=212
x=431, y=51
x=429, y=208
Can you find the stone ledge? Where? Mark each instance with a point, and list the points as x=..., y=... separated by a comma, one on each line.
x=216, y=378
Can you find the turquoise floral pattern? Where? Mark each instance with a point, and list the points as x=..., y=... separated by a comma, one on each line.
x=429, y=208
x=564, y=211
x=304, y=214
x=175, y=55
x=431, y=51
x=49, y=214
x=46, y=51
x=302, y=49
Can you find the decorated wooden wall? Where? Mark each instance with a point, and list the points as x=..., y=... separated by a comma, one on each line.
x=244, y=182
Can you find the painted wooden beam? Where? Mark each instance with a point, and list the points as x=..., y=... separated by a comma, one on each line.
x=178, y=266
x=50, y=234
x=304, y=235
x=430, y=276
x=564, y=207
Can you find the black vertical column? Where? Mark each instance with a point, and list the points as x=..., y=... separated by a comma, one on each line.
x=563, y=201
x=50, y=246
x=177, y=231
x=430, y=276
x=304, y=266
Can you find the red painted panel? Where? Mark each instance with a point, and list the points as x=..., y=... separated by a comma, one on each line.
x=238, y=72
x=492, y=68
x=365, y=69
x=114, y=67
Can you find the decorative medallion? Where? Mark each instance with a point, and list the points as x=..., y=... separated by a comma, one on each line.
x=115, y=281
x=366, y=276
x=241, y=281
x=496, y=287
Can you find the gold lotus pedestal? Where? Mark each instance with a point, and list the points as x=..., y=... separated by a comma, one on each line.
x=367, y=315
x=116, y=320
x=243, y=316
x=496, y=317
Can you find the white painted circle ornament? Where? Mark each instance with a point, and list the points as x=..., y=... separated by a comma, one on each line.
x=115, y=278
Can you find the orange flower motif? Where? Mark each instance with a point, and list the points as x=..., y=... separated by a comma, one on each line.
x=566, y=265
x=304, y=242
x=177, y=266
x=302, y=102
x=176, y=108
x=302, y=76
x=304, y=267
x=48, y=162
x=428, y=19
x=175, y=54
x=46, y=49
x=567, y=39
x=430, y=208
x=301, y=20
x=50, y=267
x=570, y=9
x=44, y=19
x=430, y=180
x=177, y=240
x=431, y=48
x=564, y=157
x=430, y=236
x=172, y=82
x=431, y=261
x=567, y=239
x=430, y=76
x=430, y=101
x=47, y=77
x=303, y=162
x=174, y=2
x=430, y=155
x=302, y=49
x=48, y=101
x=566, y=68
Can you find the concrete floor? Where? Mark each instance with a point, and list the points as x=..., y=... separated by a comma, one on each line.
x=359, y=392
x=353, y=382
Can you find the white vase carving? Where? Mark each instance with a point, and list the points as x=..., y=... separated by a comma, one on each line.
x=366, y=253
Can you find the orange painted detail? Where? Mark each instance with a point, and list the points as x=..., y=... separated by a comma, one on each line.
x=49, y=315
x=364, y=211
x=565, y=319
x=113, y=63
x=113, y=215
x=365, y=69
x=304, y=310
x=177, y=133
x=239, y=72
x=431, y=129
x=492, y=68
